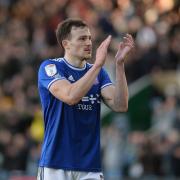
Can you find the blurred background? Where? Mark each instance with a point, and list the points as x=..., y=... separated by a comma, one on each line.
x=143, y=143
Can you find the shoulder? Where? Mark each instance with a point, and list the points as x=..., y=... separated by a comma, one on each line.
x=51, y=66
x=56, y=61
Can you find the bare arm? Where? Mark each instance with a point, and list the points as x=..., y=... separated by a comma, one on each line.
x=73, y=93
x=116, y=97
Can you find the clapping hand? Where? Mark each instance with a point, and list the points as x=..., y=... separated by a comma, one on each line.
x=124, y=48
x=101, y=52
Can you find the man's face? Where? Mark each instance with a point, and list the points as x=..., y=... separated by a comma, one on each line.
x=79, y=43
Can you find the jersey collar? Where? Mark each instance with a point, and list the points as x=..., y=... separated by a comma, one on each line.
x=73, y=67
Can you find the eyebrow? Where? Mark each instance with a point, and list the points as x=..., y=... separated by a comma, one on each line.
x=84, y=36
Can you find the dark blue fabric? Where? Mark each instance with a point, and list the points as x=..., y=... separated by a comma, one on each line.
x=72, y=133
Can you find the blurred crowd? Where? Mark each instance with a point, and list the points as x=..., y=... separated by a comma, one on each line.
x=152, y=154
x=27, y=38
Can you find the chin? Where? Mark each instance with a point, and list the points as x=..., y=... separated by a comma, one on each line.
x=87, y=57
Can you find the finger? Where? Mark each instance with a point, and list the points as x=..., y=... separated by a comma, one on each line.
x=129, y=45
x=128, y=42
x=101, y=44
x=106, y=42
x=121, y=46
x=128, y=39
x=129, y=35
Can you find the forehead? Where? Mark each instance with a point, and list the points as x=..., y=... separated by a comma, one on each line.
x=80, y=31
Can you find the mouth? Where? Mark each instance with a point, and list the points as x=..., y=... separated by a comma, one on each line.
x=87, y=50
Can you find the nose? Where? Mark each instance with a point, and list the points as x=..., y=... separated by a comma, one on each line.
x=88, y=42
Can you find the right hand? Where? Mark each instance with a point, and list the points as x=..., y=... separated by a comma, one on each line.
x=101, y=52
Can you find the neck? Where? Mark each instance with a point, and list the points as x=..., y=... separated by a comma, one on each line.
x=74, y=61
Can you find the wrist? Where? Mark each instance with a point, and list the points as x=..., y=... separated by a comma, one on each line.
x=97, y=66
x=120, y=63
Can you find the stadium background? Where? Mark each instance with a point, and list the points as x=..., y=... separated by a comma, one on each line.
x=141, y=144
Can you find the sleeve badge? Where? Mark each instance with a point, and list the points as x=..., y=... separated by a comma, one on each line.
x=51, y=69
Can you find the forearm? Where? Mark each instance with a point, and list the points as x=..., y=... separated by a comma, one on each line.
x=121, y=89
x=82, y=86
x=117, y=97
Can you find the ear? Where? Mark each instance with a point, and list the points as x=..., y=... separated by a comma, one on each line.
x=65, y=44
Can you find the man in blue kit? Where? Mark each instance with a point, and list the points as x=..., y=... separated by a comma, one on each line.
x=71, y=91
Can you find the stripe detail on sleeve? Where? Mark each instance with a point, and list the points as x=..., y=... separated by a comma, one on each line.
x=108, y=84
x=54, y=81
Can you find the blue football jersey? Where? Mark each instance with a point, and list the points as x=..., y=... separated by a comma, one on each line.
x=72, y=133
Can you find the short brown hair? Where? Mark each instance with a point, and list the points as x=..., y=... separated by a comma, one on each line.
x=64, y=28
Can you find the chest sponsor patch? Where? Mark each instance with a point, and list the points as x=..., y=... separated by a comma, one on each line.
x=51, y=69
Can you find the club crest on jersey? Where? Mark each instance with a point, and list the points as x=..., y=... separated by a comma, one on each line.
x=51, y=69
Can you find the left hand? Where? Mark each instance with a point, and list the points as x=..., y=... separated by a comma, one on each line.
x=124, y=48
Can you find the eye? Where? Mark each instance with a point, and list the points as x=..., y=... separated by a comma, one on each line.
x=82, y=38
x=85, y=38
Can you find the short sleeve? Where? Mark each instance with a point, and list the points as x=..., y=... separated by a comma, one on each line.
x=49, y=72
x=104, y=79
